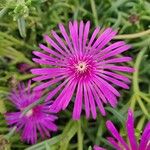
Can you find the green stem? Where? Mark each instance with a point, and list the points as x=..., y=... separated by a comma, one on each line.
x=141, y=43
x=3, y=12
x=132, y=36
x=145, y=97
x=99, y=132
x=80, y=136
x=50, y=142
x=94, y=11
x=141, y=123
x=8, y=135
x=133, y=100
x=141, y=104
x=136, y=73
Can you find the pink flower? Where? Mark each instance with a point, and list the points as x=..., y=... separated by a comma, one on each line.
x=119, y=143
x=24, y=68
x=82, y=66
x=98, y=148
x=38, y=119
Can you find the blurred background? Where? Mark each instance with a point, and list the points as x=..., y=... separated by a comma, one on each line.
x=22, y=26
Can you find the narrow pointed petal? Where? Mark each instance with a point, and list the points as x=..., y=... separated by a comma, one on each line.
x=115, y=60
x=130, y=130
x=66, y=37
x=69, y=96
x=114, y=81
x=73, y=35
x=54, y=45
x=115, y=134
x=98, y=90
x=98, y=101
x=59, y=102
x=116, y=52
x=47, y=49
x=117, y=76
x=54, y=91
x=98, y=148
x=101, y=37
x=145, y=138
x=81, y=35
x=114, y=143
x=92, y=102
x=111, y=88
x=106, y=40
x=78, y=103
x=47, y=84
x=111, y=47
x=59, y=40
x=85, y=34
x=44, y=71
x=118, y=68
x=96, y=31
x=86, y=102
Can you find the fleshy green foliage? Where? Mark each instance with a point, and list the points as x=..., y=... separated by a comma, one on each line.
x=22, y=24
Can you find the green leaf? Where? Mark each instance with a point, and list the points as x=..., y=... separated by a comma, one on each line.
x=120, y=117
x=68, y=133
x=15, y=55
x=22, y=26
x=47, y=146
x=2, y=106
x=50, y=142
x=90, y=148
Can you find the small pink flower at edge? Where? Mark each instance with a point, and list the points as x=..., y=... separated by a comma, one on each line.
x=40, y=119
x=119, y=143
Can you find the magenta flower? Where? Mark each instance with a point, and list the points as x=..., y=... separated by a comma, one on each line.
x=24, y=68
x=82, y=66
x=38, y=119
x=119, y=143
x=98, y=148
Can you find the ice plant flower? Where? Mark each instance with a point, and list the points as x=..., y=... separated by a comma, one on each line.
x=23, y=67
x=82, y=66
x=119, y=143
x=38, y=119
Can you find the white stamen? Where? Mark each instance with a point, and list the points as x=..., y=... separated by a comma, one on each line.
x=29, y=113
x=81, y=66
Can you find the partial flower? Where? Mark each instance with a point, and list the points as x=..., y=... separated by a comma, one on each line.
x=84, y=66
x=120, y=144
x=39, y=119
x=24, y=68
x=98, y=148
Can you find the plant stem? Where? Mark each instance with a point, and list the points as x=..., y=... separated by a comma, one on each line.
x=80, y=136
x=145, y=97
x=3, y=12
x=143, y=107
x=136, y=73
x=141, y=123
x=132, y=36
x=94, y=11
x=8, y=135
x=133, y=100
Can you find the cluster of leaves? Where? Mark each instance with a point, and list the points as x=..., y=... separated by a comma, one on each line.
x=22, y=24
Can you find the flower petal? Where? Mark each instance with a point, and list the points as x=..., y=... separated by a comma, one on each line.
x=115, y=134
x=78, y=102
x=130, y=130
